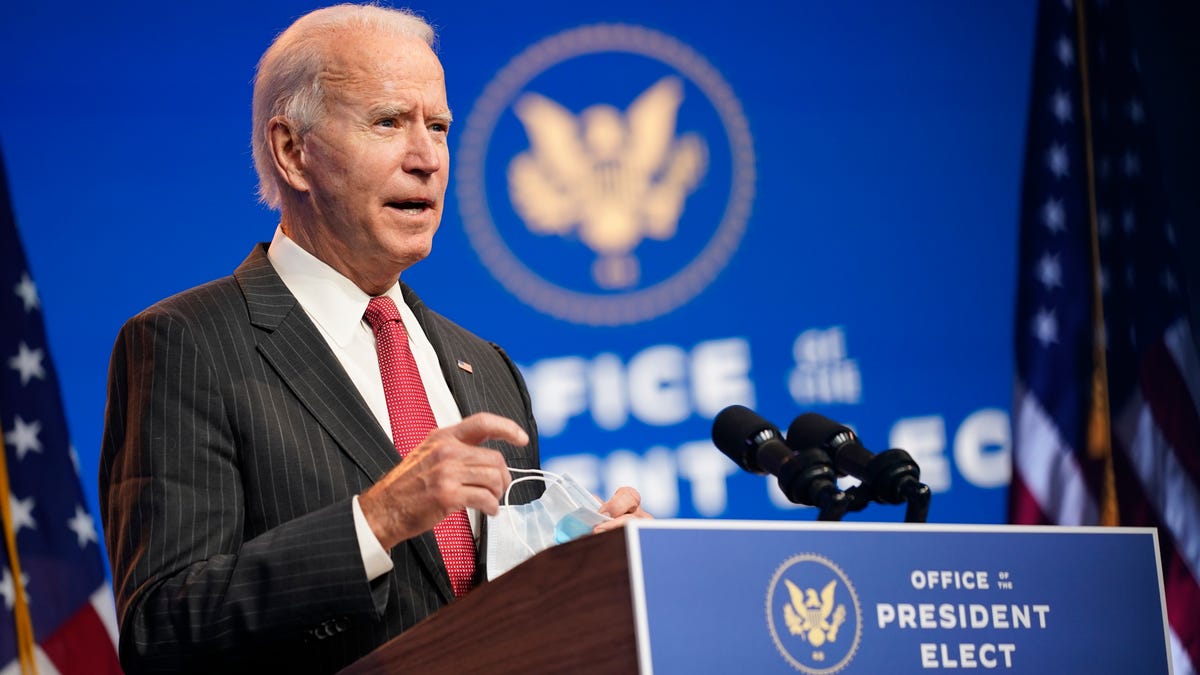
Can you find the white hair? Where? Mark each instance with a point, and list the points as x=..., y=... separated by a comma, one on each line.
x=288, y=81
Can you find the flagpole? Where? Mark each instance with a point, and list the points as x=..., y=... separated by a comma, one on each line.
x=24, y=624
x=1099, y=440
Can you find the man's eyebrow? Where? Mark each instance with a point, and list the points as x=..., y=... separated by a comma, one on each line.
x=388, y=110
x=394, y=110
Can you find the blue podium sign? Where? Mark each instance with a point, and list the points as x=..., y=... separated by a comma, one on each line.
x=818, y=598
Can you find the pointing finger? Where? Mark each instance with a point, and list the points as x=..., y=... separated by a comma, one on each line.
x=486, y=426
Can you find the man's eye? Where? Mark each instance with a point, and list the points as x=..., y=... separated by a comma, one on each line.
x=387, y=122
x=440, y=128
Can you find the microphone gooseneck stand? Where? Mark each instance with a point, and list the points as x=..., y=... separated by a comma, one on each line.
x=892, y=477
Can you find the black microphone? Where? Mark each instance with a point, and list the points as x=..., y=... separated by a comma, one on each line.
x=753, y=443
x=892, y=476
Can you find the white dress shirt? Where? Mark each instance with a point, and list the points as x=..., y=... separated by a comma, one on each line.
x=337, y=306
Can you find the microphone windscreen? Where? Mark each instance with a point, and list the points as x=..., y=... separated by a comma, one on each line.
x=733, y=431
x=811, y=430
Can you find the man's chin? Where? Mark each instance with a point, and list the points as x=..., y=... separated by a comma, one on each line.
x=411, y=254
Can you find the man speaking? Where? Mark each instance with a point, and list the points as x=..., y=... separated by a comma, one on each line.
x=296, y=456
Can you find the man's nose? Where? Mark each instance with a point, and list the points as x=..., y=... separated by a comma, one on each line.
x=422, y=154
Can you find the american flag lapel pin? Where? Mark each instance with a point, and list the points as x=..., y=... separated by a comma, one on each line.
x=463, y=365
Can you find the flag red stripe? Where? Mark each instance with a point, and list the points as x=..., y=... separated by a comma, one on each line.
x=1179, y=586
x=82, y=646
x=1183, y=599
x=1171, y=404
x=1023, y=507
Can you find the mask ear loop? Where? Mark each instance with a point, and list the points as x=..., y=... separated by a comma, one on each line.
x=556, y=483
x=540, y=472
x=559, y=480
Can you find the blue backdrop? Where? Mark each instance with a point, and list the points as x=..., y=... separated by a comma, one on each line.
x=825, y=215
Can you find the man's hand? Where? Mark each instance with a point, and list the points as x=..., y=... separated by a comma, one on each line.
x=625, y=504
x=447, y=472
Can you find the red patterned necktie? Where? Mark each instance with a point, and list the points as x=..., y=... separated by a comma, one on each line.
x=412, y=420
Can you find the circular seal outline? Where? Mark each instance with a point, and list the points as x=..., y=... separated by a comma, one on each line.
x=526, y=284
x=787, y=564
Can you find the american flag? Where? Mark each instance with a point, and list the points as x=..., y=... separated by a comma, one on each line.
x=1106, y=418
x=60, y=591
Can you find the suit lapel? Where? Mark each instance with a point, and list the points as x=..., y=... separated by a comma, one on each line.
x=457, y=379
x=295, y=349
x=293, y=346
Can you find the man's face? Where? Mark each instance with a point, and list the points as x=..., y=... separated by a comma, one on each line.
x=377, y=164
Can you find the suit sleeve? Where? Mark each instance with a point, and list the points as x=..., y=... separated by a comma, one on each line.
x=193, y=594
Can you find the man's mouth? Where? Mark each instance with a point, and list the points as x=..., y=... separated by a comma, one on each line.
x=411, y=206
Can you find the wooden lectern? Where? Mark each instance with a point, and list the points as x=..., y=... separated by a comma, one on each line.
x=678, y=597
x=567, y=609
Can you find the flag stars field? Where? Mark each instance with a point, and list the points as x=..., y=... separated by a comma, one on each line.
x=1053, y=215
x=28, y=362
x=1045, y=327
x=1136, y=113
x=1131, y=164
x=1049, y=271
x=27, y=291
x=1128, y=221
x=1066, y=52
x=1057, y=160
x=22, y=513
x=1168, y=282
x=83, y=526
x=1104, y=223
x=9, y=592
x=1060, y=105
x=24, y=437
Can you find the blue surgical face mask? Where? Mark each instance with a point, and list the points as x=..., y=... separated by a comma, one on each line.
x=565, y=511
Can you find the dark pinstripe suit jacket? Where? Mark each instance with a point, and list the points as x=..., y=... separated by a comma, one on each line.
x=233, y=444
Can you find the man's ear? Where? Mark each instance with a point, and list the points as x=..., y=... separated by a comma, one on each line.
x=287, y=151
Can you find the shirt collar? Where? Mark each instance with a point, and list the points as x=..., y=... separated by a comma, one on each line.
x=331, y=300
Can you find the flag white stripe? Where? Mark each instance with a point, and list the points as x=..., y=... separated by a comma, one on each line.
x=1181, y=664
x=106, y=609
x=1179, y=342
x=1167, y=487
x=43, y=663
x=1182, y=348
x=1050, y=471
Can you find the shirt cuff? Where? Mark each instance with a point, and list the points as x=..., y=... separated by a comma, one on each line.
x=376, y=560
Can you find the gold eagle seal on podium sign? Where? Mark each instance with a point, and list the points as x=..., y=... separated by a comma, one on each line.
x=812, y=617
x=816, y=631
x=613, y=178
